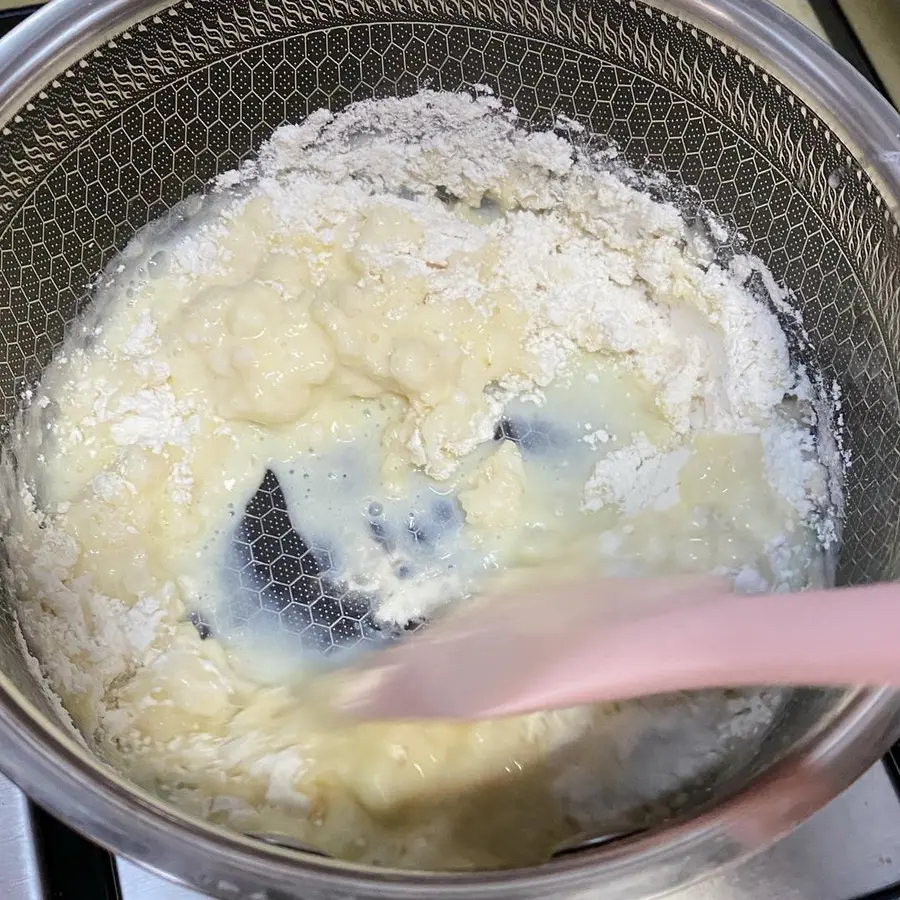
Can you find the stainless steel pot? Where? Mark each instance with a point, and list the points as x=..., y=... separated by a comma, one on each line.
x=112, y=110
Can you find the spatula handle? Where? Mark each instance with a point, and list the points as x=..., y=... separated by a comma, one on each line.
x=833, y=637
x=664, y=636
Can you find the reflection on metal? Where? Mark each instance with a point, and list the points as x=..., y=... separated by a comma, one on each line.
x=19, y=872
x=848, y=850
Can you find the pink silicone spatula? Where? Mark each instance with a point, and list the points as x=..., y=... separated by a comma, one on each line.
x=617, y=639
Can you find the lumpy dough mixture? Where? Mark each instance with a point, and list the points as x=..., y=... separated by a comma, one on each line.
x=429, y=323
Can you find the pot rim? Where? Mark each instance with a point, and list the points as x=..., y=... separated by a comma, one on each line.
x=61, y=775
x=55, y=770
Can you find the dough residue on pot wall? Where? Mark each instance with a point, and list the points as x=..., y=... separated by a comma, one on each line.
x=472, y=356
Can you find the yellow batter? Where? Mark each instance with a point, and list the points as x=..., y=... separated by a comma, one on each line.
x=397, y=280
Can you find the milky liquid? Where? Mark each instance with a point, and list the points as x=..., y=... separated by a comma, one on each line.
x=394, y=555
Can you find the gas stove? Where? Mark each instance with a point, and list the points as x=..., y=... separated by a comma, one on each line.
x=848, y=851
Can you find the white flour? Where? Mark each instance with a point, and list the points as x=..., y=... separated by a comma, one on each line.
x=635, y=478
x=363, y=310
